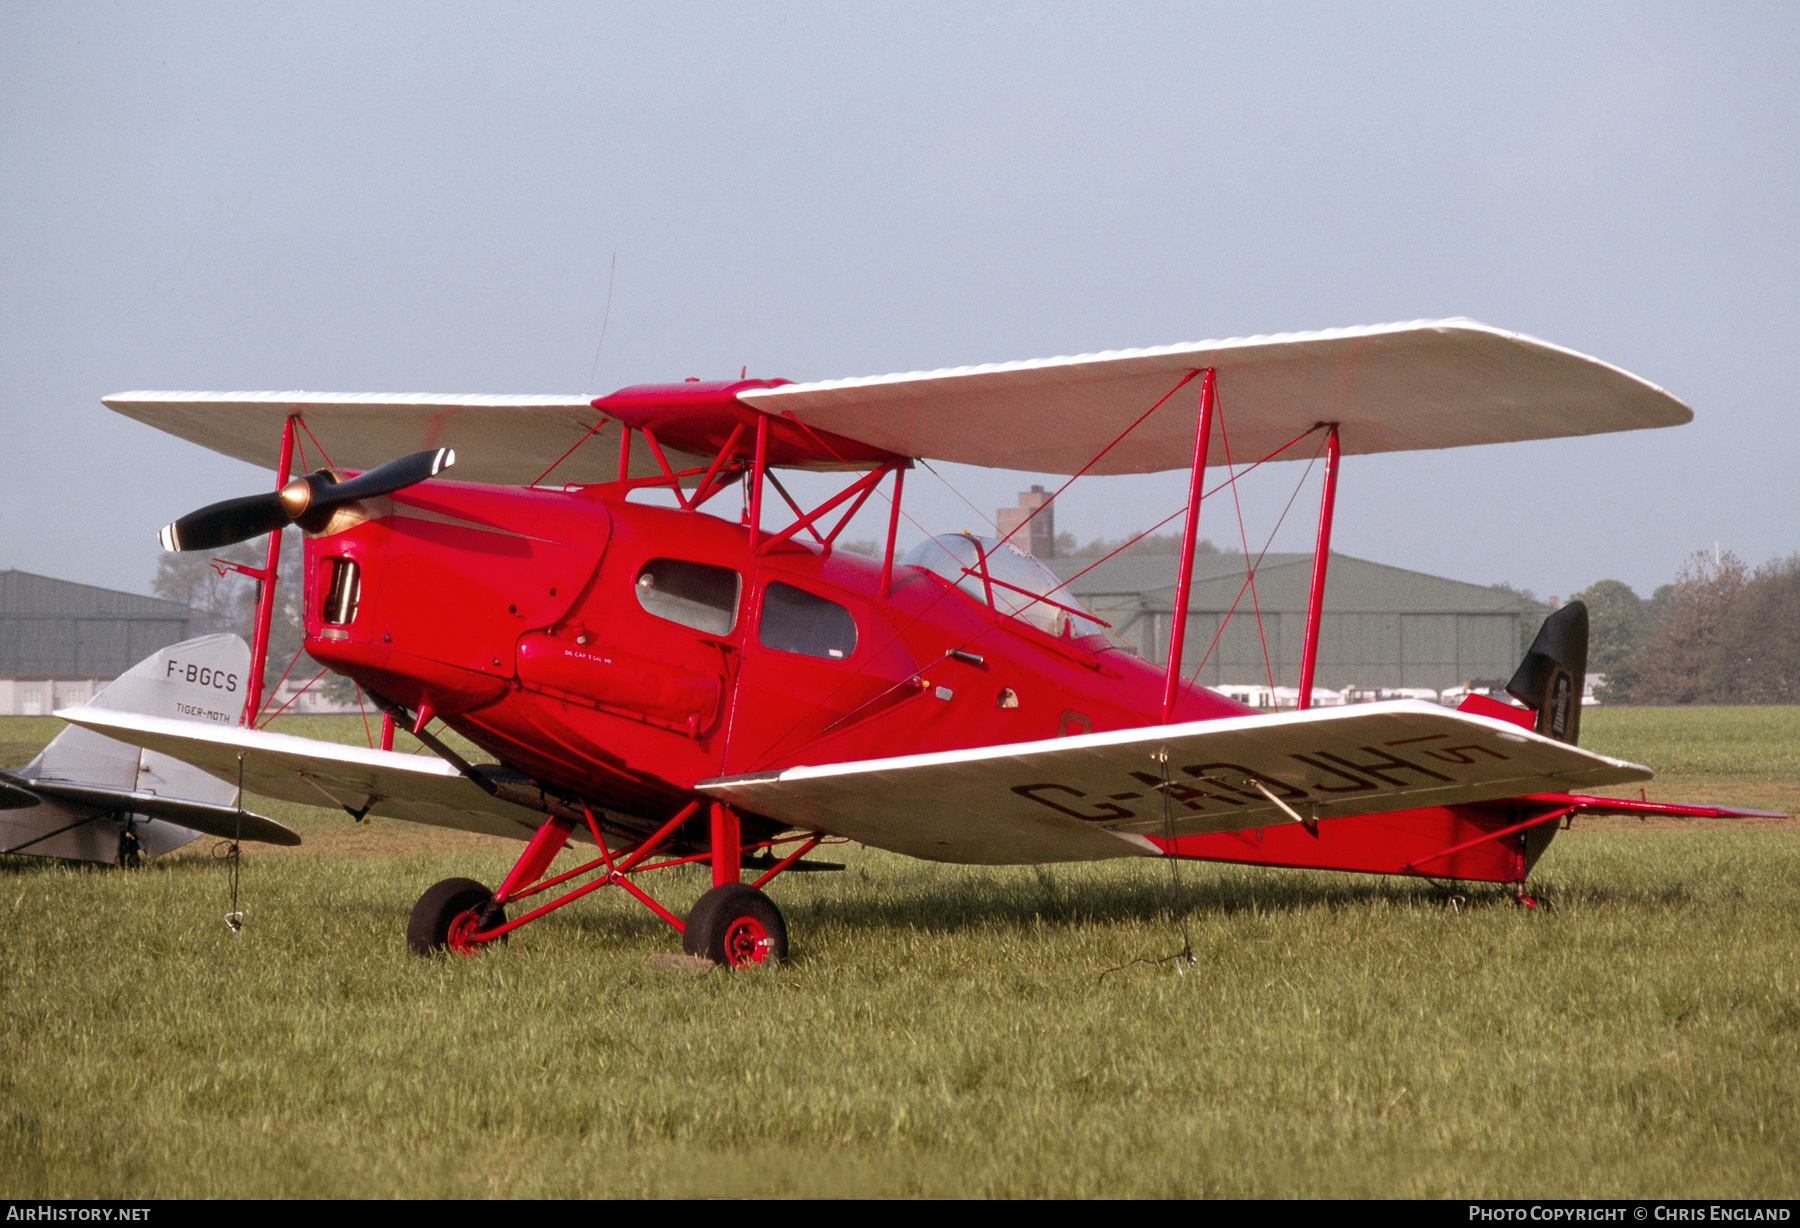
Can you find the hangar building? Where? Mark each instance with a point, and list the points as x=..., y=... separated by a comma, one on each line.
x=60, y=641
x=1383, y=626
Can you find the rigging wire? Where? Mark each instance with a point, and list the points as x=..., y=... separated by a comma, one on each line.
x=1230, y=480
x=1237, y=505
x=1251, y=567
x=984, y=517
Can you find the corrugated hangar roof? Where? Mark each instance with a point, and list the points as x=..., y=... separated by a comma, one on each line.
x=24, y=595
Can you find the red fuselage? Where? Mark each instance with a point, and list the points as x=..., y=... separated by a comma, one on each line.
x=619, y=653
x=622, y=652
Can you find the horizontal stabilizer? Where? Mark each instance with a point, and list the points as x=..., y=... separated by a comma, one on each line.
x=1647, y=809
x=1098, y=795
x=211, y=818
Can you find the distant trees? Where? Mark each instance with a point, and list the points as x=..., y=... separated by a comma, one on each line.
x=225, y=600
x=1720, y=634
x=1757, y=652
x=220, y=599
x=1617, y=624
x=1155, y=543
x=1679, y=662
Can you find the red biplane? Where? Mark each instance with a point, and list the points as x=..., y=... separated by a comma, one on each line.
x=676, y=686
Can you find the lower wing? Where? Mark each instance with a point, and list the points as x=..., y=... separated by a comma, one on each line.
x=1101, y=795
x=360, y=780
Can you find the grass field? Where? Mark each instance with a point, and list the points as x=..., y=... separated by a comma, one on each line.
x=940, y=1031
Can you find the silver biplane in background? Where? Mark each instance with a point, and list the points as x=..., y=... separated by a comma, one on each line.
x=89, y=798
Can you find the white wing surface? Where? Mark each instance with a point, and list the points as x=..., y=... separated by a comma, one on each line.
x=506, y=440
x=1390, y=387
x=1096, y=796
x=315, y=773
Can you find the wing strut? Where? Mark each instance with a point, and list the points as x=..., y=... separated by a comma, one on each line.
x=1189, y=530
x=1315, y=600
x=265, y=599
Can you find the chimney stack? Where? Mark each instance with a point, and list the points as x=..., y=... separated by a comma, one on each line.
x=1039, y=537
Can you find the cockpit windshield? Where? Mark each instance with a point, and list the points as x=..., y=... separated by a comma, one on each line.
x=1006, y=578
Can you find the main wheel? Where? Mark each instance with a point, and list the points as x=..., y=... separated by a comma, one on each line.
x=736, y=925
x=446, y=915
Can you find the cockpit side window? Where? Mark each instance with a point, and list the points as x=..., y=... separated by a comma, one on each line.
x=797, y=621
x=696, y=595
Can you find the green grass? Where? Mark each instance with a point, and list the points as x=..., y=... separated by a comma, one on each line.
x=1741, y=751
x=940, y=1031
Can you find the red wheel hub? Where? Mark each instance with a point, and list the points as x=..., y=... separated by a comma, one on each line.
x=460, y=937
x=746, y=942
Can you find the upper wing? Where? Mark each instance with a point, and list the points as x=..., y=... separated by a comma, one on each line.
x=1083, y=798
x=320, y=773
x=503, y=440
x=1390, y=387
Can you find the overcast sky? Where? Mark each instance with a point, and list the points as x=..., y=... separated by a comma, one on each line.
x=428, y=197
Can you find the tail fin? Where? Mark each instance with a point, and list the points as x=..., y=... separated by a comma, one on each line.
x=89, y=798
x=1553, y=674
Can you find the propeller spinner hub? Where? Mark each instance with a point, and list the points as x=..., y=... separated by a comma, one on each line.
x=297, y=496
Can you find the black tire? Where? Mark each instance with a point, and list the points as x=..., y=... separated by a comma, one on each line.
x=736, y=926
x=428, y=929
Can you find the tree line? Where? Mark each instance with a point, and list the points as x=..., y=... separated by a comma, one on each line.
x=225, y=600
x=1721, y=633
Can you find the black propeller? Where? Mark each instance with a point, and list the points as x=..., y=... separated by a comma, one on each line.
x=307, y=501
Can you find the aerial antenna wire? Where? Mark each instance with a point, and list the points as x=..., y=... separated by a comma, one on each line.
x=605, y=318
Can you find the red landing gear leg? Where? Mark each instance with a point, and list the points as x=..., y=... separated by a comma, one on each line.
x=727, y=848
x=448, y=916
x=734, y=924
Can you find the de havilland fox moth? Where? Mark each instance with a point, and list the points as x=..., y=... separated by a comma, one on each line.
x=675, y=686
